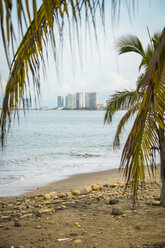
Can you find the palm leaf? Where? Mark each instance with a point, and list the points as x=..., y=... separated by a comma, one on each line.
x=132, y=110
x=130, y=43
x=29, y=54
x=120, y=100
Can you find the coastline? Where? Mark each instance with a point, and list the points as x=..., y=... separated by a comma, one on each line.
x=78, y=181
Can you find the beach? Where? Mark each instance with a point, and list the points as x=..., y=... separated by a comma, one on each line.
x=85, y=210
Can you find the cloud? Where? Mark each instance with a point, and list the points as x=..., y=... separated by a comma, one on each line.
x=108, y=82
x=117, y=82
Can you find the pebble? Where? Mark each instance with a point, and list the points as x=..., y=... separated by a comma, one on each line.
x=61, y=195
x=45, y=211
x=96, y=187
x=17, y=224
x=114, y=185
x=6, y=218
x=113, y=201
x=77, y=241
x=77, y=225
x=38, y=227
x=117, y=211
x=75, y=192
x=86, y=189
x=48, y=196
x=156, y=203
x=73, y=234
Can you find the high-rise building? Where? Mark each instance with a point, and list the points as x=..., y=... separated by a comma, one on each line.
x=60, y=101
x=87, y=100
x=66, y=101
x=91, y=100
x=79, y=100
x=71, y=101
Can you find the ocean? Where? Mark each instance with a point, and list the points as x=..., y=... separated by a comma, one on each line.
x=48, y=146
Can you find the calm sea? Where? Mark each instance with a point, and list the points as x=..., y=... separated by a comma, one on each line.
x=48, y=146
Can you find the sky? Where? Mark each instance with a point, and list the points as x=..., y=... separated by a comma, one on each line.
x=97, y=67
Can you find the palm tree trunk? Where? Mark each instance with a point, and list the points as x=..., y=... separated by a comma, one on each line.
x=162, y=165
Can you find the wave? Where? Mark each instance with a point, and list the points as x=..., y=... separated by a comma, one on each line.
x=83, y=155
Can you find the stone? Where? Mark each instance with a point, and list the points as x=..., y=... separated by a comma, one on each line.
x=75, y=192
x=10, y=205
x=86, y=189
x=20, y=246
x=117, y=211
x=113, y=201
x=38, y=227
x=156, y=203
x=61, y=195
x=77, y=225
x=6, y=218
x=26, y=216
x=50, y=195
x=96, y=187
x=69, y=195
x=77, y=241
x=8, y=212
x=114, y=185
x=45, y=211
x=73, y=234
x=17, y=224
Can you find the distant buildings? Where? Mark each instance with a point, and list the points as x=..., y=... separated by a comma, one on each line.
x=75, y=101
x=71, y=101
x=91, y=100
x=79, y=100
x=60, y=101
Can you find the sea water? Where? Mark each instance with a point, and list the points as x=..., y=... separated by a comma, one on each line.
x=48, y=146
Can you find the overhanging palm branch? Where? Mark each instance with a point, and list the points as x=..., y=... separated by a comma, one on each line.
x=51, y=15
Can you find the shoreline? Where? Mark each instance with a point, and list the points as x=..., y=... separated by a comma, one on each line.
x=76, y=181
x=79, y=181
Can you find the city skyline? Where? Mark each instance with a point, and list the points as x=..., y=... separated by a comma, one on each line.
x=79, y=100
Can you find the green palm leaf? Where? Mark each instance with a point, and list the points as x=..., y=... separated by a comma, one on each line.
x=120, y=100
x=132, y=110
x=130, y=43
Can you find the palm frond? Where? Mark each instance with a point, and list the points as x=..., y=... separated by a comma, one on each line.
x=131, y=111
x=29, y=55
x=155, y=38
x=130, y=43
x=147, y=58
x=120, y=100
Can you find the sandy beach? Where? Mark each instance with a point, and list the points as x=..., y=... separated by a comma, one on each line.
x=85, y=210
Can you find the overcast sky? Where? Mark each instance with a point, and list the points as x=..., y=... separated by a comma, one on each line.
x=101, y=70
